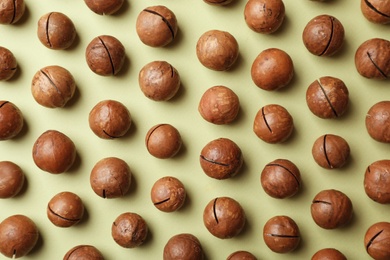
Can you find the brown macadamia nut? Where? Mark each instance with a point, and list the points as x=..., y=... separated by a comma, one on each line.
x=83, y=252
x=104, y=7
x=323, y=35
x=8, y=64
x=219, y=105
x=54, y=152
x=18, y=236
x=264, y=16
x=280, y=179
x=377, y=181
x=377, y=240
x=105, y=55
x=11, y=11
x=221, y=159
x=241, y=255
x=372, y=59
x=56, y=31
x=331, y=209
x=217, y=50
x=129, y=230
x=53, y=86
x=110, y=178
x=327, y=97
x=272, y=69
x=224, y=217
x=11, y=120
x=328, y=254
x=156, y=26
x=11, y=179
x=330, y=151
x=109, y=119
x=163, y=141
x=168, y=194
x=159, y=80
x=281, y=234
x=218, y=2
x=376, y=11
x=378, y=121
x=183, y=246
x=273, y=124
x=65, y=209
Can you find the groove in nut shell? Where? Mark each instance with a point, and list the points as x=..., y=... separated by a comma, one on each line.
x=164, y=20
x=372, y=239
x=215, y=210
x=113, y=72
x=287, y=169
x=375, y=10
x=47, y=30
x=376, y=66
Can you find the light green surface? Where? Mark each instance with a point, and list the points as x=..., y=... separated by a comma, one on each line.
x=194, y=18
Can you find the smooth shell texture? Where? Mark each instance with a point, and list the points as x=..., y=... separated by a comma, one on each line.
x=168, y=194
x=8, y=64
x=104, y=7
x=83, y=252
x=377, y=181
x=65, y=209
x=183, y=246
x=11, y=120
x=11, y=179
x=376, y=11
x=330, y=151
x=163, y=141
x=11, y=11
x=264, y=16
x=378, y=121
x=328, y=254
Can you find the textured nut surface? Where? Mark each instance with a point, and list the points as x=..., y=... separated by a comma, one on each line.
x=129, y=230
x=377, y=240
x=330, y=151
x=328, y=254
x=53, y=86
x=280, y=179
x=104, y=7
x=11, y=11
x=8, y=64
x=241, y=255
x=11, y=179
x=331, y=209
x=264, y=16
x=281, y=234
x=219, y=105
x=372, y=59
x=54, y=152
x=156, y=26
x=11, y=120
x=378, y=121
x=323, y=35
x=217, y=50
x=218, y=2
x=109, y=119
x=272, y=69
x=224, y=217
x=183, y=246
x=159, y=80
x=327, y=97
x=376, y=11
x=56, y=31
x=273, y=124
x=377, y=181
x=221, y=158
x=18, y=236
x=105, y=55
x=163, y=141
x=110, y=178
x=168, y=194
x=83, y=252
x=65, y=209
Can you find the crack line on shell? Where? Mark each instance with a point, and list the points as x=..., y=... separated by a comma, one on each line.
x=372, y=239
x=51, y=82
x=330, y=38
x=161, y=202
x=61, y=217
x=164, y=20
x=14, y=12
x=147, y=141
x=265, y=120
x=213, y=162
x=109, y=56
x=47, y=30
x=325, y=153
x=376, y=66
x=279, y=165
x=321, y=201
x=4, y=104
x=285, y=236
x=374, y=9
x=327, y=99
x=111, y=136
x=215, y=211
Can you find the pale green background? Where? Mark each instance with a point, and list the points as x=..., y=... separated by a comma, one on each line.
x=194, y=18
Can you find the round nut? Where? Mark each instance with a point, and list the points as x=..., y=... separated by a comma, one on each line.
x=221, y=159
x=272, y=69
x=241, y=255
x=183, y=246
x=11, y=11
x=328, y=253
x=376, y=11
x=376, y=240
x=109, y=119
x=273, y=124
x=53, y=86
x=105, y=55
x=11, y=120
x=218, y=2
x=168, y=194
x=54, y=152
x=330, y=151
x=104, y=7
x=8, y=64
x=56, y=31
x=65, y=209
x=217, y=50
x=377, y=181
x=331, y=209
x=129, y=230
x=264, y=16
x=323, y=35
x=219, y=105
x=163, y=141
x=81, y=252
x=159, y=80
x=156, y=26
x=11, y=179
x=327, y=97
x=378, y=121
